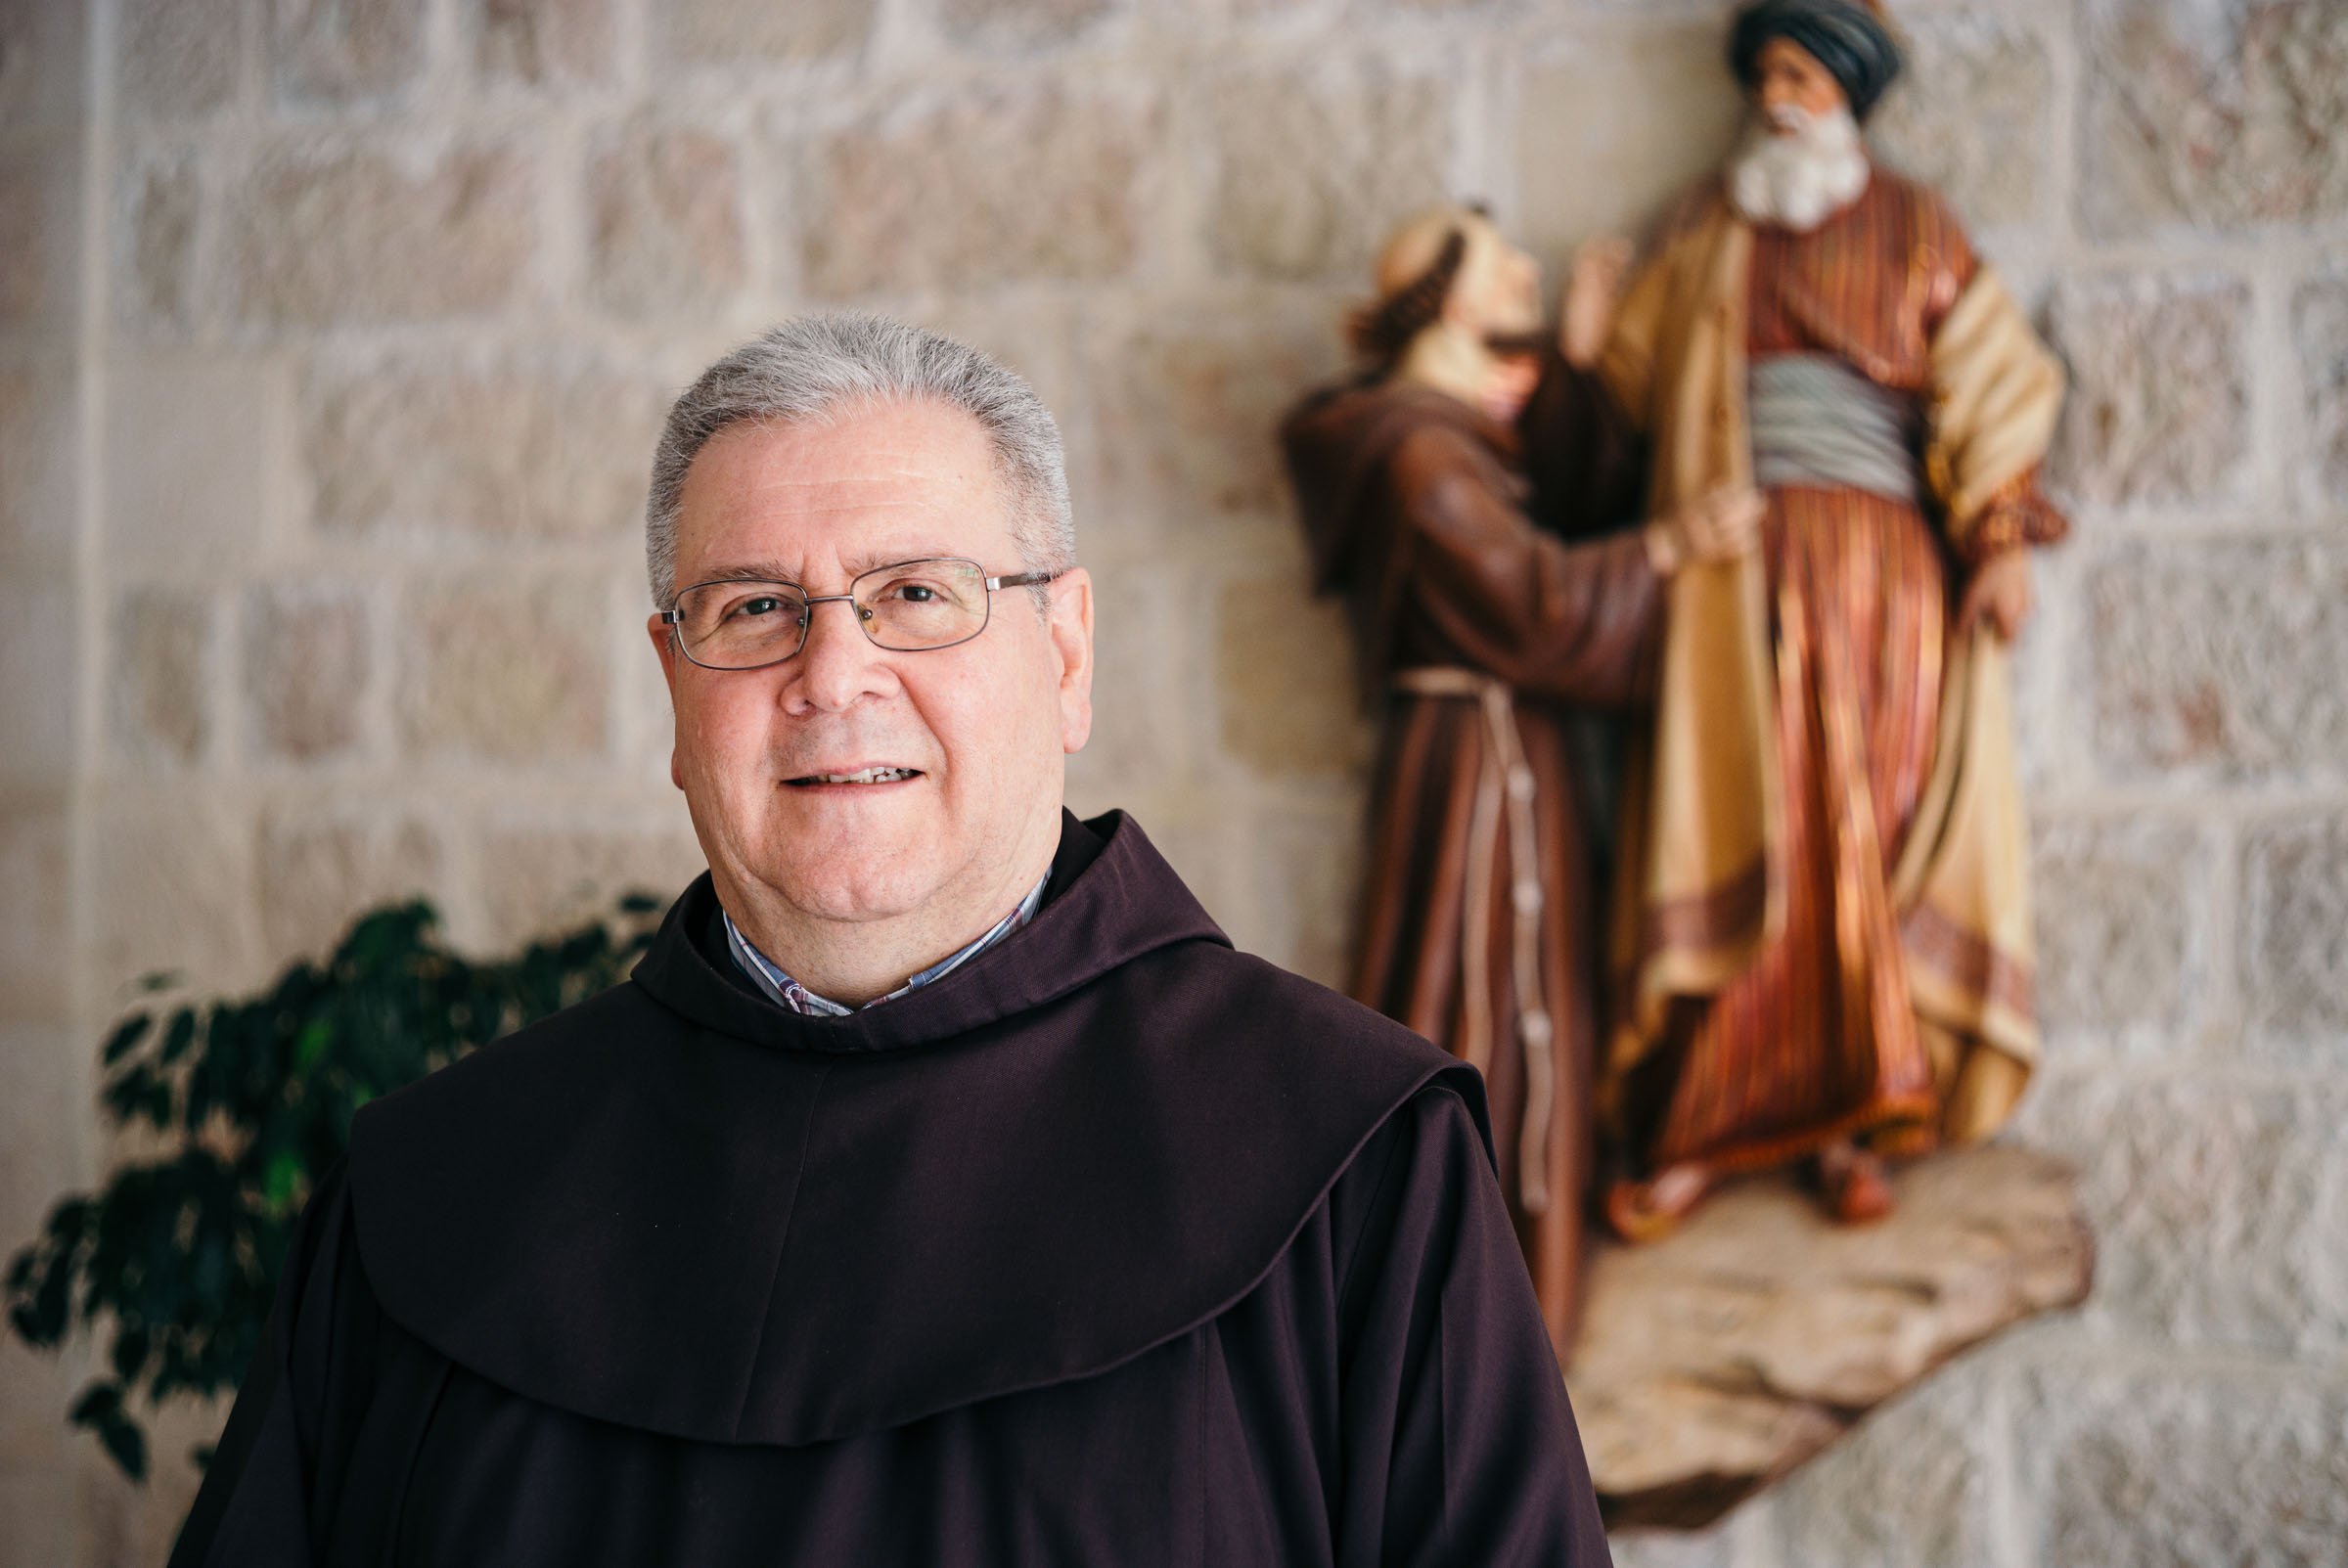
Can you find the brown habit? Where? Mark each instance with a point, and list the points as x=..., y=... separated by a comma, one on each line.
x=1477, y=927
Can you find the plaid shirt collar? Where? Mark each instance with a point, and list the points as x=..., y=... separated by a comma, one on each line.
x=785, y=991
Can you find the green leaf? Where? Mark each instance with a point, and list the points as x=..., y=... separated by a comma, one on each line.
x=126, y=1034
x=100, y=1410
x=282, y=1188
x=182, y=1035
x=311, y=1043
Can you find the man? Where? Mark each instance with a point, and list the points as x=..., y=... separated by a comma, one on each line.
x=1481, y=629
x=1823, y=934
x=942, y=1189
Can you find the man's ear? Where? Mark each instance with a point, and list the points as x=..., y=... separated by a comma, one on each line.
x=664, y=644
x=1070, y=626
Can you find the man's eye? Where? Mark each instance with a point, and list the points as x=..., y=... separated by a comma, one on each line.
x=759, y=605
x=911, y=592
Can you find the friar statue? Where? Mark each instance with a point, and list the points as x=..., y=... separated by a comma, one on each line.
x=1821, y=945
x=1476, y=627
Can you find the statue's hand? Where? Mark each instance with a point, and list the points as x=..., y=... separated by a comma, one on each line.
x=1592, y=295
x=1719, y=525
x=2000, y=592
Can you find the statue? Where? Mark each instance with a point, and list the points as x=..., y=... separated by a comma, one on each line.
x=1478, y=929
x=1821, y=944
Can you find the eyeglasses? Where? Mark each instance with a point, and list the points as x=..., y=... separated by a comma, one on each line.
x=911, y=606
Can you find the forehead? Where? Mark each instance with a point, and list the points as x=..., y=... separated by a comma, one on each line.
x=867, y=486
x=1783, y=53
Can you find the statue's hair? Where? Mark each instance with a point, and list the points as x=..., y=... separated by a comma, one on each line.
x=815, y=369
x=1381, y=329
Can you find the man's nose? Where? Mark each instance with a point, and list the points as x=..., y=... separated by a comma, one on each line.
x=837, y=664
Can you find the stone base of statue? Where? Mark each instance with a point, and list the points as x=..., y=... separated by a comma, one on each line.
x=1713, y=1363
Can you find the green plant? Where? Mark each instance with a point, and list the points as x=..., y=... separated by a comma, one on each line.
x=247, y=1101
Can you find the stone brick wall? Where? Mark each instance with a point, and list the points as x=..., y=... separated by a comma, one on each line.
x=333, y=334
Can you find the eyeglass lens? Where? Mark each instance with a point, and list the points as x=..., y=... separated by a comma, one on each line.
x=914, y=604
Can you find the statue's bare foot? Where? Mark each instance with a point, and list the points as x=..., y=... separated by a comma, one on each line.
x=1853, y=1183
x=1650, y=1210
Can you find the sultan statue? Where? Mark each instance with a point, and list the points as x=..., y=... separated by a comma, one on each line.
x=1821, y=942
x=1479, y=628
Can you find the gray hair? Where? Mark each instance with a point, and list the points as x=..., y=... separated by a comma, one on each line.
x=817, y=368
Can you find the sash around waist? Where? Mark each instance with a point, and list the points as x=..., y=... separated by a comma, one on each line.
x=1816, y=420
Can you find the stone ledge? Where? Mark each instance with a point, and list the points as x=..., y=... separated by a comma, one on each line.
x=1716, y=1361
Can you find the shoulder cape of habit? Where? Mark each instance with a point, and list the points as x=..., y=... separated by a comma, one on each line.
x=684, y=1209
x=1338, y=441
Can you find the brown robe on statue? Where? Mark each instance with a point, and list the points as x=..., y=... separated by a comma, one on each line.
x=1477, y=927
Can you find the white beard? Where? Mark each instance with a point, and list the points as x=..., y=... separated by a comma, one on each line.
x=1800, y=180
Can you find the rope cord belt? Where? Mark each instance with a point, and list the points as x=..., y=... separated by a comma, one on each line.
x=1504, y=787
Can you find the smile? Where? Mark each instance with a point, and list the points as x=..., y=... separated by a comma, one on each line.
x=863, y=776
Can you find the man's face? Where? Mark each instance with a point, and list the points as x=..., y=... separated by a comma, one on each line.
x=1498, y=290
x=981, y=726
x=1788, y=77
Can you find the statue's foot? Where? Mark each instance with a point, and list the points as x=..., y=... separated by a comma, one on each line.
x=1853, y=1184
x=1650, y=1210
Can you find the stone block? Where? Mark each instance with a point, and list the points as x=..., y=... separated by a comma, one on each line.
x=1019, y=23
x=541, y=41
x=2221, y=659
x=1146, y=688
x=1611, y=128
x=728, y=32
x=1972, y=115
x=1909, y=1487
x=37, y=699
x=1716, y=1361
x=34, y=868
x=320, y=871
x=2121, y=939
x=40, y=226
x=1313, y=168
x=188, y=445
x=1186, y=416
x=36, y=1524
x=158, y=225
x=172, y=889
x=983, y=188
x=665, y=227
x=40, y=1130
x=2216, y=1205
x=1286, y=688
x=179, y=58
x=43, y=69
x=321, y=235
x=530, y=445
x=2294, y=937
x=1306, y=865
x=160, y=691
x=2319, y=328
x=511, y=669
x=1673, y=1548
x=344, y=50
x=2213, y=114
x=2180, y=1467
x=306, y=673
x=2157, y=411
x=36, y=454
x=538, y=880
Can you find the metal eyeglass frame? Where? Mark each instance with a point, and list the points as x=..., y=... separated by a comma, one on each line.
x=674, y=618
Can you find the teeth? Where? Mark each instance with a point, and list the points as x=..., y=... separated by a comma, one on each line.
x=867, y=776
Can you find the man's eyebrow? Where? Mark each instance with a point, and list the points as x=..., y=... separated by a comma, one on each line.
x=749, y=572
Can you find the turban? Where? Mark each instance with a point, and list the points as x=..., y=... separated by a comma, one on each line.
x=1849, y=38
